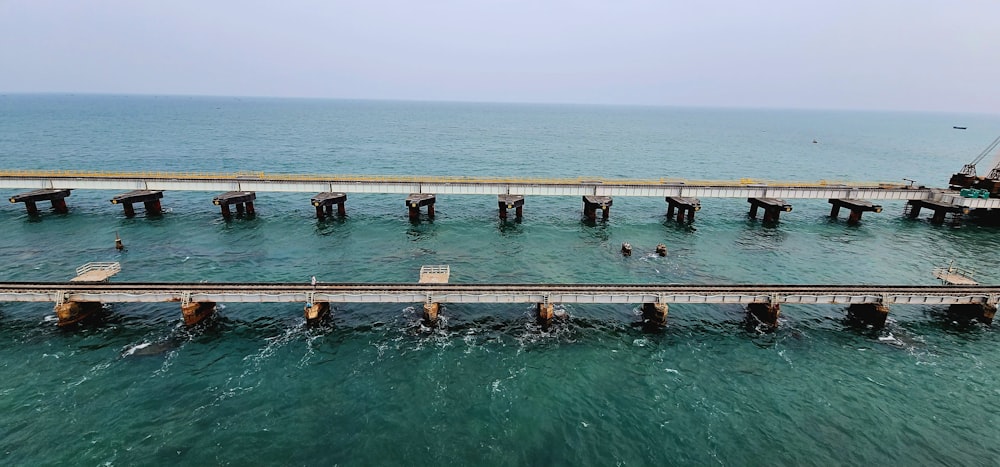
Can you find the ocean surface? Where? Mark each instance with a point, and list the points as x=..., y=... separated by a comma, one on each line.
x=488, y=386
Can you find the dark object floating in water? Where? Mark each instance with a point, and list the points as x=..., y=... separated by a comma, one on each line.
x=959, y=127
x=814, y=141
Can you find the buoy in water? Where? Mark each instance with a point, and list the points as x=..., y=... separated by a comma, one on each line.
x=627, y=249
x=118, y=242
x=661, y=249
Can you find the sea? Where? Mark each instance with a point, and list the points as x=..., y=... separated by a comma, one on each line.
x=488, y=385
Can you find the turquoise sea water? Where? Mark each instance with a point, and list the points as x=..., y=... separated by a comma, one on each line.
x=488, y=386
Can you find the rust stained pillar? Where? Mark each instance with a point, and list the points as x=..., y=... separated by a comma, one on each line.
x=75, y=312
x=31, y=207
x=316, y=311
x=59, y=205
x=855, y=216
x=766, y=313
x=874, y=314
x=431, y=312
x=545, y=312
x=153, y=207
x=196, y=312
x=129, y=210
x=655, y=313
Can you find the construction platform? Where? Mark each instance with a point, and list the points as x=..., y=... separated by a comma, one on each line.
x=96, y=272
x=435, y=274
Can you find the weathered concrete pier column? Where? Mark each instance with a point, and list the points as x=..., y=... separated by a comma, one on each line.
x=195, y=312
x=941, y=210
x=766, y=313
x=57, y=197
x=592, y=203
x=857, y=207
x=243, y=200
x=417, y=200
x=149, y=198
x=74, y=312
x=324, y=204
x=655, y=313
x=505, y=202
x=545, y=312
x=983, y=312
x=682, y=205
x=773, y=208
x=431, y=312
x=874, y=314
x=316, y=311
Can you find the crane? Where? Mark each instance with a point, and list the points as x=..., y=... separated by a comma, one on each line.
x=966, y=178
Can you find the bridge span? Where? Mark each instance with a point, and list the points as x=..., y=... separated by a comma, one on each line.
x=763, y=300
x=682, y=196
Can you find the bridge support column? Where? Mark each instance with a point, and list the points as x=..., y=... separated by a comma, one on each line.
x=243, y=200
x=150, y=200
x=316, y=311
x=874, y=314
x=56, y=197
x=196, y=312
x=766, y=313
x=941, y=210
x=857, y=207
x=545, y=312
x=682, y=205
x=431, y=312
x=74, y=312
x=416, y=200
x=592, y=203
x=773, y=208
x=505, y=202
x=324, y=204
x=655, y=313
x=983, y=312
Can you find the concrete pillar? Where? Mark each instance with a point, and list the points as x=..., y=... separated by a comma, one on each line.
x=655, y=313
x=316, y=311
x=74, y=312
x=226, y=213
x=414, y=213
x=983, y=312
x=195, y=312
x=855, y=216
x=502, y=209
x=771, y=215
x=250, y=209
x=341, y=210
x=431, y=312
x=153, y=208
x=240, y=209
x=753, y=211
x=546, y=311
x=31, y=207
x=835, y=211
x=938, y=217
x=59, y=205
x=319, y=212
x=129, y=210
x=874, y=314
x=766, y=313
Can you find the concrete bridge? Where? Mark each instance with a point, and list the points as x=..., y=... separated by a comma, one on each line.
x=681, y=195
x=869, y=302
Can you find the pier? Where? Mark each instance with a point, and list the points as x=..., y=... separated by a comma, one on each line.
x=683, y=197
x=763, y=300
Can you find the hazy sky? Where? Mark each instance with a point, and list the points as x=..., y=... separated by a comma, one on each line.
x=872, y=54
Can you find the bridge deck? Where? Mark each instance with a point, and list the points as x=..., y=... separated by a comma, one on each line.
x=497, y=293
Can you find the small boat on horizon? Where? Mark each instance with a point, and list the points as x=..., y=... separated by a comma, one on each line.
x=959, y=127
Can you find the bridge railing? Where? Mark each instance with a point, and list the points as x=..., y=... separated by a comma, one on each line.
x=262, y=176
